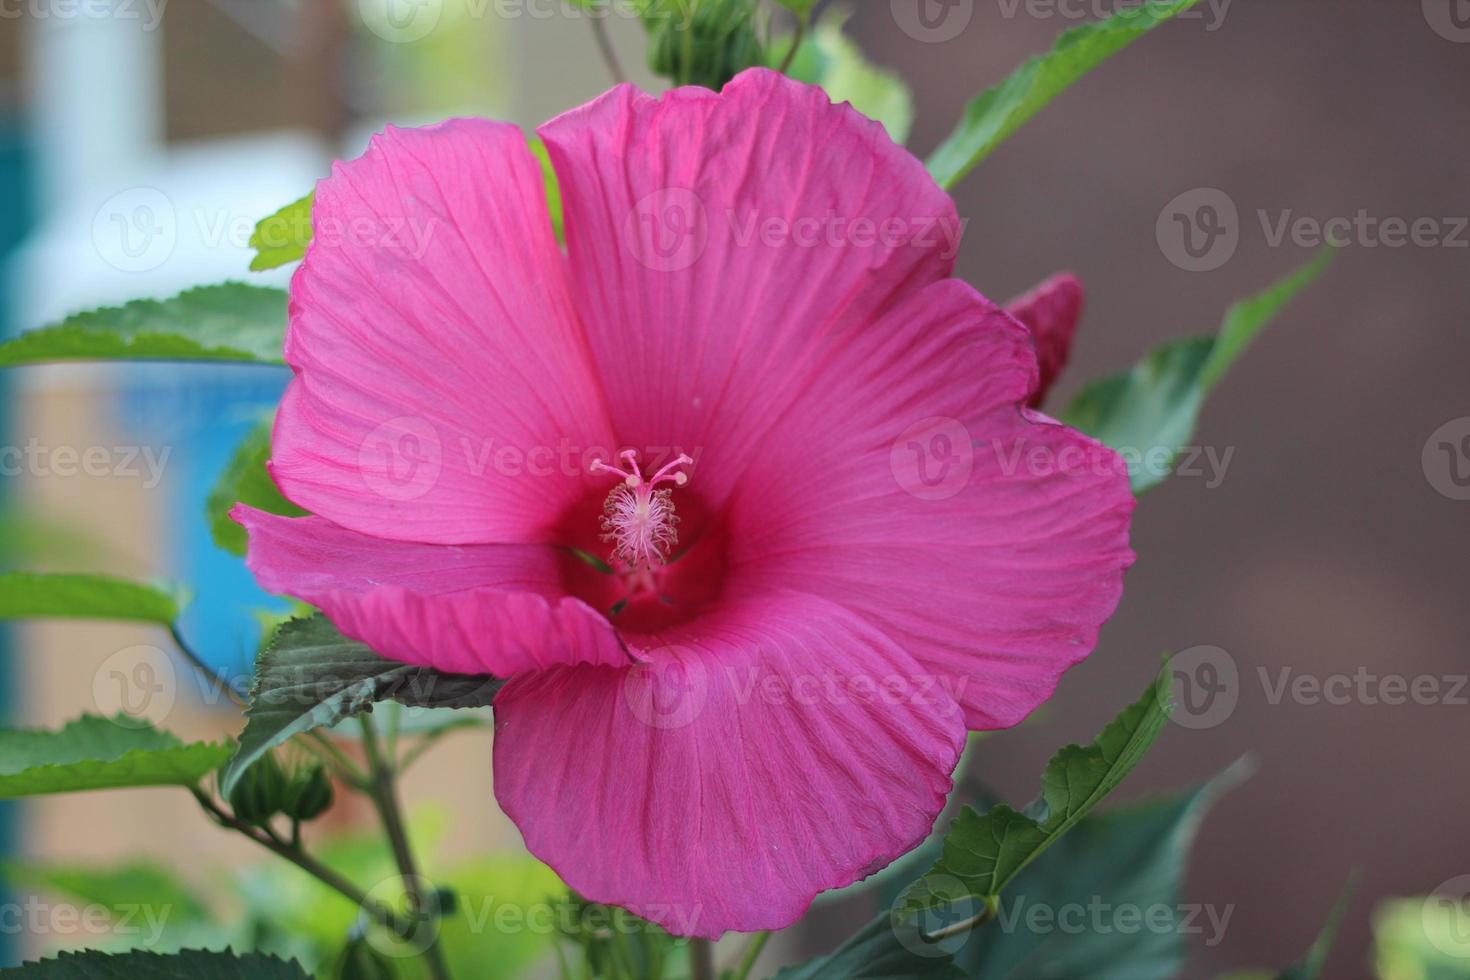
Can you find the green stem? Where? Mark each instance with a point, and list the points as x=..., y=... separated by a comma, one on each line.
x=750, y=955
x=304, y=861
x=384, y=792
x=802, y=23
x=701, y=959
x=204, y=669
x=992, y=905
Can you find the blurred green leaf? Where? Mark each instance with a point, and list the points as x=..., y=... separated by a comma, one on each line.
x=884, y=949
x=246, y=480
x=984, y=851
x=1310, y=967
x=1425, y=938
x=311, y=676
x=551, y=186
x=123, y=886
x=228, y=322
x=93, y=752
x=33, y=595
x=1149, y=413
x=193, y=964
x=1000, y=111
x=830, y=59
x=281, y=237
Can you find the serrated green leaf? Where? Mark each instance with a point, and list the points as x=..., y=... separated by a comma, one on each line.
x=311, y=676
x=193, y=964
x=93, y=752
x=228, y=322
x=1149, y=413
x=119, y=887
x=1114, y=869
x=830, y=59
x=246, y=480
x=34, y=595
x=983, y=851
x=990, y=119
x=1309, y=967
x=282, y=237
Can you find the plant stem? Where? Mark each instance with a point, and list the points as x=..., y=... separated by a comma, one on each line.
x=302, y=860
x=701, y=959
x=204, y=669
x=384, y=792
x=750, y=955
x=802, y=23
x=605, y=47
x=965, y=925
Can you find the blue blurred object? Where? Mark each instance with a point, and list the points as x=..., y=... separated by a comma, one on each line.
x=15, y=218
x=199, y=415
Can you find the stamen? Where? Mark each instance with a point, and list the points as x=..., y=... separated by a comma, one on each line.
x=639, y=520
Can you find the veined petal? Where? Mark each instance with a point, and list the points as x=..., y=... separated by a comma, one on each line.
x=466, y=609
x=778, y=749
x=912, y=486
x=722, y=244
x=443, y=389
x=1051, y=312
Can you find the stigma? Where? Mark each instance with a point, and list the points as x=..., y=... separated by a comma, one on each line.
x=638, y=517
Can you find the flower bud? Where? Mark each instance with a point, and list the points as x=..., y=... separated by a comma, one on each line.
x=309, y=793
x=261, y=792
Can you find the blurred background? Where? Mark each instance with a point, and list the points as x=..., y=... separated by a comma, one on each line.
x=1323, y=531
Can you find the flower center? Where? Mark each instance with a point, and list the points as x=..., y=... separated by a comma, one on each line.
x=638, y=518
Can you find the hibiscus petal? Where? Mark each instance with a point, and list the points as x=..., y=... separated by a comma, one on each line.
x=470, y=609
x=722, y=243
x=1050, y=312
x=912, y=486
x=443, y=391
x=781, y=748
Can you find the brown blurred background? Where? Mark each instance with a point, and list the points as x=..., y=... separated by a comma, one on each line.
x=1325, y=547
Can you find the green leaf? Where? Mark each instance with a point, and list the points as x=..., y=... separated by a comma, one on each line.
x=311, y=676
x=551, y=185
x=1426, y=938
x=1113, y=869
x=281, y=237
x=1147, y=414
x=246, y=480
x=984, y=851
x=830, y=59
x=228, y=322
x=887, y=948
x=32, y=595
x=1000, y=111
x=1309, y=967
x=101, y=753
x=194, y=964
x=120, y=887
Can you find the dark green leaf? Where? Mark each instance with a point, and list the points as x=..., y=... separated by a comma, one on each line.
x=830, y=59
x=191, y=964
x=1309, y=967
x=228, y=322
x=887, y=948
x=1149, y=413
x=1000, y=111
x=31, y=595
x=984, y=851
x=1104, y=903
x=282, y=237
x=311, y=676
x=119, y=887
x=101, y=753
x=247, y=481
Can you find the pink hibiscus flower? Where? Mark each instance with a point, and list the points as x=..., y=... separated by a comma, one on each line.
x=740, y=492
